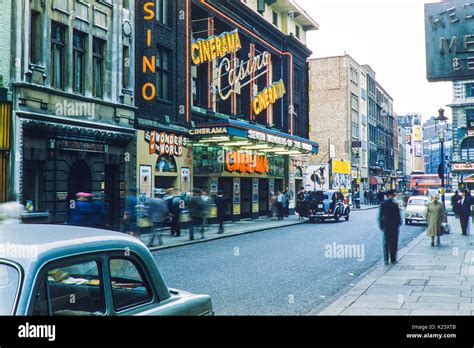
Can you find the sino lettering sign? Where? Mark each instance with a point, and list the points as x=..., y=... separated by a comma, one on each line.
x=449, y=30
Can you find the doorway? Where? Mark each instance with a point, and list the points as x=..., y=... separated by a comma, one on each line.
x=263, y=197
x=79, y=179
x=245, y=198
x=227, y=187
x=279, y=185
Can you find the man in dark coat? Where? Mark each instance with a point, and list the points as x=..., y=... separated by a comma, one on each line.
x=464, y=211
x=390, y=222
x=196, y=210
x=221, y=206
x=456, y=203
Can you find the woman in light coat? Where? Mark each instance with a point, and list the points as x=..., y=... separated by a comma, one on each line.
x=435, y=217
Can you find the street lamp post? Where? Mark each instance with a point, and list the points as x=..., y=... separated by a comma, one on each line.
x=441, y=119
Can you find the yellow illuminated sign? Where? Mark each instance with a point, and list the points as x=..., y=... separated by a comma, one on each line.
x=417, y=133
x=268, y=97
x=341, y=167
x=207, y=50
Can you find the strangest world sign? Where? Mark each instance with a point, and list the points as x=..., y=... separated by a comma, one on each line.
x=449, y=31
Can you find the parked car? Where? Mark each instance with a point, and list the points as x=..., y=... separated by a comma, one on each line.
x=71, y=271
x=416, y=209
x=325, y=205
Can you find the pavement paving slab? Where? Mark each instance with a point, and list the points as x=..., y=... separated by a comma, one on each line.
x=432, y=281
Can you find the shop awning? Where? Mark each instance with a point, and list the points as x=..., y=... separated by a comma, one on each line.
x=376, y=180
x=248, y=136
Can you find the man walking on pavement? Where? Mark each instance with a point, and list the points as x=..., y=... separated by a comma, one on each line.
x=175, y=205
x=157, y=212
x=221, y=206
x=465, y=211
x=435, y=217
x=456, y=203
x=196, y=210
x=390, y=221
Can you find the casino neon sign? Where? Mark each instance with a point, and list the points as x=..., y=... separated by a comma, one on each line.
x=233, y=73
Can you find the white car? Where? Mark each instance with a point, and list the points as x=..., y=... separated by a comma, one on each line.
x=416, y=210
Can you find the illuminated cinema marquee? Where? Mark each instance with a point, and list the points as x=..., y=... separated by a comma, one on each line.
x=233, y=74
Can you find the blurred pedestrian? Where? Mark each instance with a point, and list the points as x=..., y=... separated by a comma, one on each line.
x=300, y=199
x=206, y=213
x=456, y=203
x=465, y=211
x=158, y=212
x=98, y=211
x=221, y=206
x=274, y=204
x=279, y=205
x=80, y=212
x=366, y=197
x=175, y=206
x=435, y=217
x=196, y=210
x=390, y=221
x=130, y=213
x=286, y=203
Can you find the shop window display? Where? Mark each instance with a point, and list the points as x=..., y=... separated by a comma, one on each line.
x=207, y=159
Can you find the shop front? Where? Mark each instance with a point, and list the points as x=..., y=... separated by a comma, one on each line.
x=164, y=161
x=59, y=161
x=249, y=163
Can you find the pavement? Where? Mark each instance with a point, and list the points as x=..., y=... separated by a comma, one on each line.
x=426, y=280
x=165, y=240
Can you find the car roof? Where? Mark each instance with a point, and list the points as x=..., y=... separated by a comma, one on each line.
x=48, y=242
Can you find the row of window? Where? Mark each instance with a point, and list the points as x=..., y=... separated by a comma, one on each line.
x=58, y=60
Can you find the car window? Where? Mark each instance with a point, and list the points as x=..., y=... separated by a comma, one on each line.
x=318, y=196
x=418, y=202
x=129, y=287
x=9, y=283
x=71, y=290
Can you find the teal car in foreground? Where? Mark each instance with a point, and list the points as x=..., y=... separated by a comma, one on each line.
x=77, y=271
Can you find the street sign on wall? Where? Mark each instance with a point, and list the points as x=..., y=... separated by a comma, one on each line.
x=449, y=35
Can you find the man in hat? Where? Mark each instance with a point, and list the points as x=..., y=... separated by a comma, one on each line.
x=390, y=221
x=175, y=205
x=221, y=206
x=196, y=210
x=157, y=213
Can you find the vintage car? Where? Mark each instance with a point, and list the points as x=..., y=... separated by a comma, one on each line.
x=416, y=209
x=325, y=205
x=72, y=271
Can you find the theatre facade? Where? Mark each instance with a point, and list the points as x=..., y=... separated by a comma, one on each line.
x=226, y=109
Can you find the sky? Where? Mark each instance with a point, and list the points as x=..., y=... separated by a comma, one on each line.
x=389, y=35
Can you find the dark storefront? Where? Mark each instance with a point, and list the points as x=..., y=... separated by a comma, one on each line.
x=60, y=161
